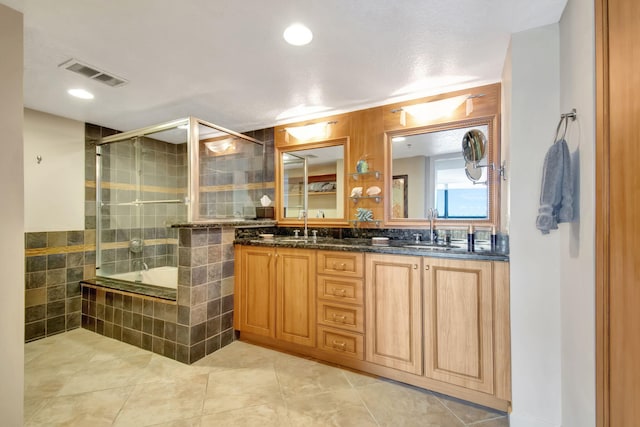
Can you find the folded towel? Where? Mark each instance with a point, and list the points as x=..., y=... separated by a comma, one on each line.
x=556, y=195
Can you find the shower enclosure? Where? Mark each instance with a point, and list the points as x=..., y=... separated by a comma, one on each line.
x=147, y=180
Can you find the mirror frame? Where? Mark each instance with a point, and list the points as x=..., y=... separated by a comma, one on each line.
x=493, y=177
x=279, y=190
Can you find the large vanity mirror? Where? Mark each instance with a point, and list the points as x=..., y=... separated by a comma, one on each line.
x=318, y=190
x=428, y=169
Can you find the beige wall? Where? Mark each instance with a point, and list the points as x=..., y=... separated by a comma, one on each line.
x=12, y=224
x=535, y=258
x=577, y=82
x=54, y=188
x=416, y=170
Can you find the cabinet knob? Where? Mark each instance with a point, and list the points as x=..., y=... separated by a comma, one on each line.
x=339, y=345
x=415, y=266
x=426, y=267
x=340, y=267
x=339, y=292
x=339, y=318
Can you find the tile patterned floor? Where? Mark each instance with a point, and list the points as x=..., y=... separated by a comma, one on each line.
x=83, y=379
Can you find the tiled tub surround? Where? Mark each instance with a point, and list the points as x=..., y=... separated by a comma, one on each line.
x=55, y=263
x=197, y=323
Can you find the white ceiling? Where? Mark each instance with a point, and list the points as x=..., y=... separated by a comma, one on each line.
x=226, y=62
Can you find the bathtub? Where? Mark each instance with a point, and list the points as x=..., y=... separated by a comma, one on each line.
x=167, y=277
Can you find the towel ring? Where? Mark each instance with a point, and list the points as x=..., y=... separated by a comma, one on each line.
x=564, y=118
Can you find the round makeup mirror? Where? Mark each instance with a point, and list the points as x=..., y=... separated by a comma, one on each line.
x=474, y=145
x=474, y=173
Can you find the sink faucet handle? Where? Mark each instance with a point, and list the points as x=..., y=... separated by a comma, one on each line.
x=417, y=237
x=315, y=233
x=296, y=233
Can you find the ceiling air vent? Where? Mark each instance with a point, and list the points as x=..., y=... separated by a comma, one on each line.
x=93, y=73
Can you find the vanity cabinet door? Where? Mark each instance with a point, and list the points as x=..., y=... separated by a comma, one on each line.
x=393, y=298
x=256, y=291
x=458, y=322
x=296, y=296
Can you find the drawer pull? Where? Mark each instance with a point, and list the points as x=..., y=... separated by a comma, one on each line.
x=339, y=267
x=339, y=345
x=339, y=318
x=339, y=292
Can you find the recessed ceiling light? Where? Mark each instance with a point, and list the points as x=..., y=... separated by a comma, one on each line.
x=80, y=93
x=297, y=35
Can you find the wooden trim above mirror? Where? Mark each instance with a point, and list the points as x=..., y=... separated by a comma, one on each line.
x=365, y=132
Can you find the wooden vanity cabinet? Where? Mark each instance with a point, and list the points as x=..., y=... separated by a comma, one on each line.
x=340, y=304
x=255, y=300
x=458, y=322
x=394, y=312
x=296, y=296
x=446, y=321
x=437, y=323
x=276, y=293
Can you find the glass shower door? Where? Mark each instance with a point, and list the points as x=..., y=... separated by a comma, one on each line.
x=142, y=190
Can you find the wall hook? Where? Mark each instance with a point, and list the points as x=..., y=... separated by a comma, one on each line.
x=39, y=159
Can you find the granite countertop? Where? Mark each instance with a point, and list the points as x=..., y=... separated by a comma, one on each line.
x=457, y=250
x=227, y=222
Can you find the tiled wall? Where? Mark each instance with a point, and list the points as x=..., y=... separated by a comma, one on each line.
x=54, y=265
x=163, y=177
x=198, y=323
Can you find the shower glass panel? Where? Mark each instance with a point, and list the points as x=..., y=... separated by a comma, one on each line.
x=179, y=172
x=143, y=187
x=231, y=174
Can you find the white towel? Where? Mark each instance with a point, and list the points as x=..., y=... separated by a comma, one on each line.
x=556, y=195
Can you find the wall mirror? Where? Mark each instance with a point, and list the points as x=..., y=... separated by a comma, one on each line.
x=427, y=169
x=323, y=182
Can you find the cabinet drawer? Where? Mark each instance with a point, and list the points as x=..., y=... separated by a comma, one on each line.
x=350, y=317
x=345, y=264
x=341, y=342
x=340, y=289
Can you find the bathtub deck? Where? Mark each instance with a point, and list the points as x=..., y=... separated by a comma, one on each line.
x=136, y=288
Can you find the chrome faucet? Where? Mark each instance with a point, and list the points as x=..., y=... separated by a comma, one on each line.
x=139, y=267
x=303, y=215
x=432, y=214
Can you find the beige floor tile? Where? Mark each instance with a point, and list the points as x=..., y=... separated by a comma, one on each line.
x=32, y=406
x=44, y=382
x=111, y=374
x=395, y=405
x=167, y=370
x=497, y=422
x=357, y=379
x=162, y=402
x=93, y=409
x=241, y=388
x=109, y=349
x=340, y=408
x=191, y=422
x=301, y=377
x=270, y=415
x=467, y=412
x=81, y=378
x=239, y=355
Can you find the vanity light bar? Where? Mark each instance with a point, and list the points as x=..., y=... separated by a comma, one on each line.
x=310, y=131
x=432, y=110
